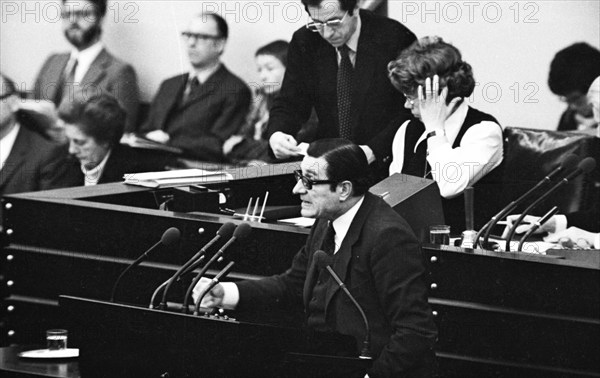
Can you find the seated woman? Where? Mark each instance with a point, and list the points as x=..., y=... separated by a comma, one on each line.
x=447, y=140
x=249, y=143
x=93, y=129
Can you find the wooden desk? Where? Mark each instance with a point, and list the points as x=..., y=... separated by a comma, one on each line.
x=498, y=314
x=11, y=366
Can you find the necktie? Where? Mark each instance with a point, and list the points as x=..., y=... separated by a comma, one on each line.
x=193, y=84
x=345, y=78
x=328, y=245
x=67, y=78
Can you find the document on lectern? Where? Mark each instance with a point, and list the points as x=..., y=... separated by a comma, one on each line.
x=181, y=177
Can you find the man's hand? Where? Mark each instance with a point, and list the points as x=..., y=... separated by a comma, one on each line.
x=212, y=299
x=158, y=136
x=284, y=145
x=573, y=237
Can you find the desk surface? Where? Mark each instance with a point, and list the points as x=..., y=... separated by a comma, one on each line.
x=13, y=366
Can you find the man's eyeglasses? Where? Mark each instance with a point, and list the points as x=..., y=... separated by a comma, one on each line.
x=308, y=183
x=199, y=36
x=317, y=26
x=84, y=13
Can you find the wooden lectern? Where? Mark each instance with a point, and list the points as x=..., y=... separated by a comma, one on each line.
x=117, y=340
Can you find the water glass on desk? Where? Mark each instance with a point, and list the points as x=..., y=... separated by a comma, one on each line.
x=56, y=339
x=439, y=234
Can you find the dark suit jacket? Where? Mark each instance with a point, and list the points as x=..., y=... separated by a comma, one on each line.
x=123, y=159
x=34, y=163
x=380, y=262
x=214, y=112
x=105, y=73
x=311, y=77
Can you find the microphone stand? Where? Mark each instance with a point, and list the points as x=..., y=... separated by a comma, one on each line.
x=537, y=225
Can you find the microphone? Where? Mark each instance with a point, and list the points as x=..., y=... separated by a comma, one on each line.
x=223, y=273
x=585, y=166
x=537, y=225
x=323, y=261
x=569, y=163
x=241, y=232
x=225, y=231
x=168, y=238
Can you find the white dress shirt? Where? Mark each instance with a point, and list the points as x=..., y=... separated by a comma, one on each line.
x=454, y=169
x=341, y=225
x=7, y=143
x=85, y=58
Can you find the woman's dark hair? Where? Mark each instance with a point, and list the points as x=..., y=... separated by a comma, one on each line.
x=427, y=57
x=573, y=69
x=345, y=161
x=100, y=117
x=278, y=49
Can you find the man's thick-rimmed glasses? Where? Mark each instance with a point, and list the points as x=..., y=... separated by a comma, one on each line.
x=308, y=183
x=317, y=26
x=199, y=36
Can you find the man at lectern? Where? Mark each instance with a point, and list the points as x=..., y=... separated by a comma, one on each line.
x=372, y=250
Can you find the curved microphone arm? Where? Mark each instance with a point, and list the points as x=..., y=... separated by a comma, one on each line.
x=223, y=273
x=537, y=225
x=188, y=293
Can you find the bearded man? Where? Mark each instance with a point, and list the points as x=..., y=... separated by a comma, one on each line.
x=89, y=69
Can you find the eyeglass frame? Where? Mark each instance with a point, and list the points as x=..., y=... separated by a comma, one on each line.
x=308, y=183
x=318, y=26
x=7, y=95
x=85, y=13
x=200, y=36
x=408, y=98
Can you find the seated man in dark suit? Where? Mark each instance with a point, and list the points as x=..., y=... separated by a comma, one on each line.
x=199, y=110
x=371, y=248
x=94, y=129
x=28, y=160
x=89, y=68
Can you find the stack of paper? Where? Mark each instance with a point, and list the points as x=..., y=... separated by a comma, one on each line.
x=137, y=141
x=180, y=177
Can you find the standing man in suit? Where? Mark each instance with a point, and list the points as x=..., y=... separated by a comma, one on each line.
x=199, y=110
x=28, y=160
x=89, y=68
x=338, y=65
x=372, y=250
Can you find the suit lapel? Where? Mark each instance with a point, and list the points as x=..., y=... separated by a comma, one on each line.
x=344, y=254
x=53, y=76
x=312, y=272
x=173, y=92
x=97, y=69
x=213, y=83
x=16, y=158
x=327, y=77
x=364, y=68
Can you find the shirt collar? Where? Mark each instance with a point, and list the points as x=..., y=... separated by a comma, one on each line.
x=353, y=41
x=204, y=74
x=341, y=224
x=92, y=176
x=87, y=56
